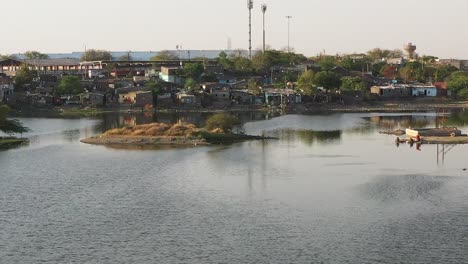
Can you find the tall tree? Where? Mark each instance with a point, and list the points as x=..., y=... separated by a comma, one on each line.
x=328, y=80
x=458, y=83
x=306, y=83
x=352, y=84
x=190, y=85
x=193, y=70
x=69, y=85
x=96, y=55
x=35, y=55
x=443, y=72
x=23, y=76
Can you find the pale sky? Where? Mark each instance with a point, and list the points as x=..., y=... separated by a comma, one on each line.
x=437, y=27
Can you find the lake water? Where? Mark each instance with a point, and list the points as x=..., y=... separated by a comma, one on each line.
x=331, y=189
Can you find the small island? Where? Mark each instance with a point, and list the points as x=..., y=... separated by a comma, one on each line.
x=218, y=130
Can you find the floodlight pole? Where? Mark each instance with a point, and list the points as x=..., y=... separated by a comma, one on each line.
x=264, y=9
x=289, y=23
x=250, y=7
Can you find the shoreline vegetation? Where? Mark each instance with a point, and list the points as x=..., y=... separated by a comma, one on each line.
x=11, y=142
x=418, y=105
x=160, y=134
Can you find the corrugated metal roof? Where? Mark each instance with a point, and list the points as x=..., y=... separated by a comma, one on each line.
x=53, y=62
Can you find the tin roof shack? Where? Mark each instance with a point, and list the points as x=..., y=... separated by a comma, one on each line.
x=96, y=99
x=184, y=99
x=391, y=91
x=138, y=98
x=164, y=100
x=278, y=97
x=144, y=99
x=221, y=94
x=424, y=90
x=442, y=89
x=241, y=97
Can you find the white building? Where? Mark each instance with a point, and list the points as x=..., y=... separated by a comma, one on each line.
x=424, y=90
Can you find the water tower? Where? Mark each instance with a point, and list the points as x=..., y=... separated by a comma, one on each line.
x=410, y=49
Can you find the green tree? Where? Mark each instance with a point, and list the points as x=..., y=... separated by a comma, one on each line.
x=190, y=85
x=69, y=85
x=35, y=55
x=463, y=93
x=458, y=81
x=327, y=63
x=224, y=122
x=242, y=65
x=412, y=71
x=263, y=61
x=377, y=68
x=379, y=54
x=328, y=80
x=193, y=70
x=10, y=126
x=253, y=87
x=225, y=61
x=353, y=84
x=96, y=55
x=444, y=71
x=23, y=76
x=165, y=55
x=306, y=83
x=355, y=62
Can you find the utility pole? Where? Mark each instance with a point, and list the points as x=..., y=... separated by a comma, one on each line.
x=264, y=9
x=289, y=24
x=250, y=7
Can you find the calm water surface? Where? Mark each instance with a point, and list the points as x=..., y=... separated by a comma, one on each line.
x=330, y=190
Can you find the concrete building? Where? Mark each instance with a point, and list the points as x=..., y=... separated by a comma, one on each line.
x=423, y=90
x=169, y=74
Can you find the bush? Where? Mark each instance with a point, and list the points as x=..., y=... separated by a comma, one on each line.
x=221, y=122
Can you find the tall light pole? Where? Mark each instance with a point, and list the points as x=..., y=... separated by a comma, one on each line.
x=264, y=9
x=250, y=7
x=289, y=23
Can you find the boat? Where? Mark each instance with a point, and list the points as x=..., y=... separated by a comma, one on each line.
x=433, y=132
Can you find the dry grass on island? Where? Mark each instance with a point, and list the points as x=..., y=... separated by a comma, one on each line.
x=150, y=134
x=217, y=131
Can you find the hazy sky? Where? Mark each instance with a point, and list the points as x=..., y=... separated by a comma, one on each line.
x=436, y=27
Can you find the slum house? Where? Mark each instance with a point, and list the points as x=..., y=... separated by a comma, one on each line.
x=170, y=74
x=134, y=96
x=423, y=90
x=391, y=91
x=442, y=89
x=276, y=97
x=190, y=100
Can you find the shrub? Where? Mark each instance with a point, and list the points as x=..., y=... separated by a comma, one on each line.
x=221, y=122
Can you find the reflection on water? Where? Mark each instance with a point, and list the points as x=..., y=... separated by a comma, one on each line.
x=309, y=137
x=404, y=187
